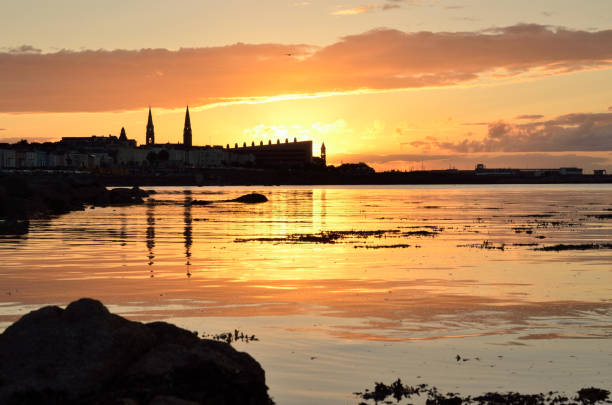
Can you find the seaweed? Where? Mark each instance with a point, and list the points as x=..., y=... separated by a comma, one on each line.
x=322, y=237
x=396, y=246
x=584, y=246
x=484, y=245
x=229, y=337
x=398, y=391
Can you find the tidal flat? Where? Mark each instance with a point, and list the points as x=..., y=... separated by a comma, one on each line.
x=344, y=286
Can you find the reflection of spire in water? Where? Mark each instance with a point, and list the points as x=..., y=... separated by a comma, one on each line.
x=150, y=238
x=123, y=234
x=123, y=229
x=323, y=206
x=188, y=230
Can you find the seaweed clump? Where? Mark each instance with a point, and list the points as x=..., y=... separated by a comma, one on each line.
x=584, y=246
x=398, y=391
x=322, y=237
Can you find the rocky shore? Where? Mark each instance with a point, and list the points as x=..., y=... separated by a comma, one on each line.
x=85, y=355
x=25, y=197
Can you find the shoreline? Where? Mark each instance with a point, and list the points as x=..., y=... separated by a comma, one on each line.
x=301, y=177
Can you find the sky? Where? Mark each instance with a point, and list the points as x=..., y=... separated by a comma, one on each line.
x=398, y=84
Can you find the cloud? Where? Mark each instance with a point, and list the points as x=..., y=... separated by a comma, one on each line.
x=389, y=5
x=21, y=49
x=377, y=60
x=610, y=108
x=317, y=130
x=2, y=129
x=529, y=117
x=357, y=10
x=570, y=132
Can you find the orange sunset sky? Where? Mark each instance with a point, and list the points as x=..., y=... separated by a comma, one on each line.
x=399, y=84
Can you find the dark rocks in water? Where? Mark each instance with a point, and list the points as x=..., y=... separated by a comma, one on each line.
x=25, y=197
x=202, y=202
x=124, y=196
x=253, y=198
x=85, y=354
x=14, y=227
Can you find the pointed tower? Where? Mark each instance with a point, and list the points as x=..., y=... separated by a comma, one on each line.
x=187, y=130
x=323, y=155
x=123, y=136
x=150, y=130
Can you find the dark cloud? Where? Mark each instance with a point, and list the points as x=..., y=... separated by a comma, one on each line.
x=22, y=49
x=529, y=117
x=390, y=6
x=382, y=59
x=570, y=132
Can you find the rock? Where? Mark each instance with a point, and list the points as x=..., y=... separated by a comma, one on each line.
x=85, y=354
x=14, y=227
x=202, y=202
x=252, y=198
x=123, y=196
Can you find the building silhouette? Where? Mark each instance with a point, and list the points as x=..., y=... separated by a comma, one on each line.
x=120, y=155
x=123, y=137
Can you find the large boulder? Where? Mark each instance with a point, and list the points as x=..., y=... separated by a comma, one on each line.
x=85, y=354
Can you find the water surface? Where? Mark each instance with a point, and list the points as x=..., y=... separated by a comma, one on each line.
x=426, y=274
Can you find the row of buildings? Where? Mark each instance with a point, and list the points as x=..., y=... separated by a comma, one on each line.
x=112, y=152
x=482, y=170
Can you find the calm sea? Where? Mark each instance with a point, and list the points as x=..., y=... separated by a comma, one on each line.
x=345, y=286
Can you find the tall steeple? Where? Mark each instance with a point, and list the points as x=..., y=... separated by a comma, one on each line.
x=187, y=130
x=323, y=154
x=150, y=130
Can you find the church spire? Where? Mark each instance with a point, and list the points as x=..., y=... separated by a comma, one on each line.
x=187, y=130
x=323, y=154
x=150, y=140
